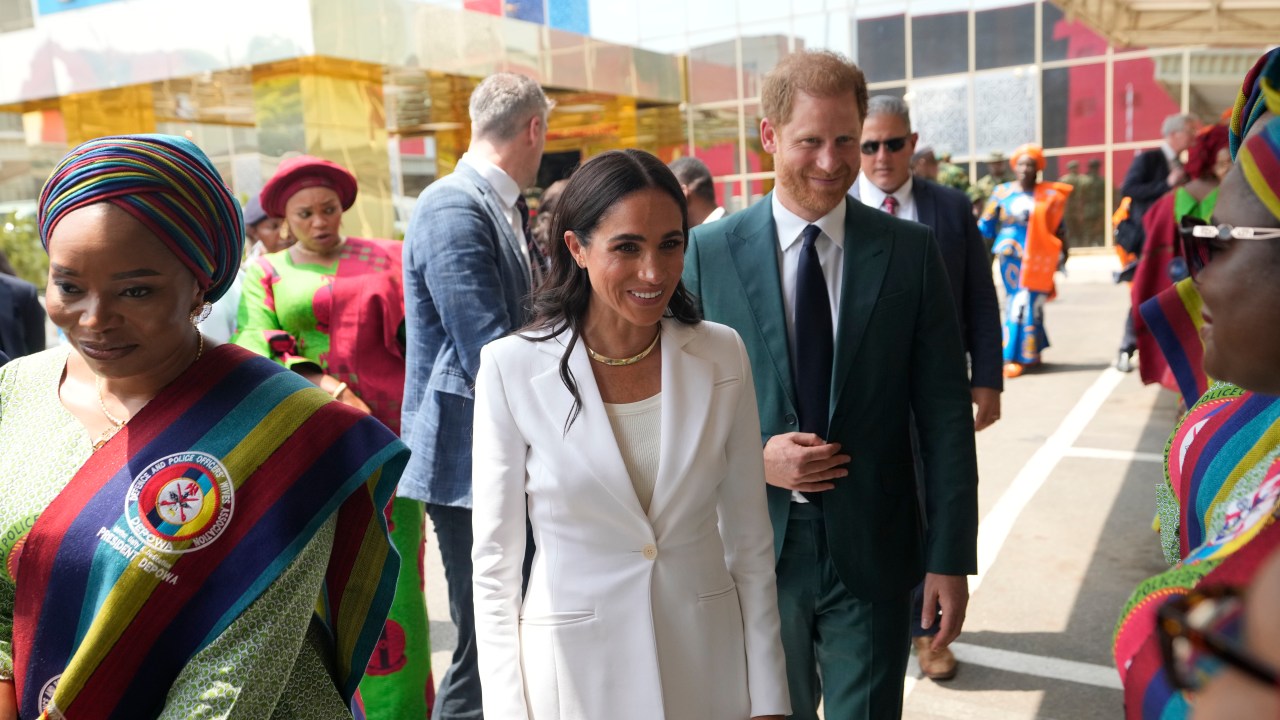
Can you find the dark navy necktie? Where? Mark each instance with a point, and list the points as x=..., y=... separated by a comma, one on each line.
x=814, y=338
x=815, y=341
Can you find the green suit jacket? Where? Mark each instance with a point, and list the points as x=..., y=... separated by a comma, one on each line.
x=898, y=352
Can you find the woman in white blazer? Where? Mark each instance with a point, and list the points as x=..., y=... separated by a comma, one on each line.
x=627, y=430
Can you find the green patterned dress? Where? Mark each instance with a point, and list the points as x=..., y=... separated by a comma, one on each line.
x=271, y=661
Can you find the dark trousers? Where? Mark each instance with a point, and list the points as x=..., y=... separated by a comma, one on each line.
x=459, y=695
x=849, y=653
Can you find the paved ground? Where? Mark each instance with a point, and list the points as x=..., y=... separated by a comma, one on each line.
x=1067, y=499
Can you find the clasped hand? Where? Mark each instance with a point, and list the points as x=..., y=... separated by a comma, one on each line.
x=803, y=462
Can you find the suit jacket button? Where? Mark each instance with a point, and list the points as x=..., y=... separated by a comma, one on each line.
x=649, y=551
x=790, y=418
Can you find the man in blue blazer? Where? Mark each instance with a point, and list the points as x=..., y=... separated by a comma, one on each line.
x=851, y=331
x=469, y=264
x=21, y=317
x=887, y=183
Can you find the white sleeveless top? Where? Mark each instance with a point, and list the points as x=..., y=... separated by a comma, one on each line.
x=637, y=428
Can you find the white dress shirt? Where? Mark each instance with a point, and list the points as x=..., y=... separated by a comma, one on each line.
x=508, y=192
x=873, y=197
x=830, y=246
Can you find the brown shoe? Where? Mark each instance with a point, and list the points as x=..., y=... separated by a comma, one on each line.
x=937, y=665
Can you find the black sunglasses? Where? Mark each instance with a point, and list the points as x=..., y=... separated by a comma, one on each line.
x=1198, y=636
x=1200, y=241
x=871, y=147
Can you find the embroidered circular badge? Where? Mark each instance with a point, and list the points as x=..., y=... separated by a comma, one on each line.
x=180, y=503
x=46, y=693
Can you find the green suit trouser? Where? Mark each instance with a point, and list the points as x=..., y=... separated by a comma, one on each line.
x=850, y=654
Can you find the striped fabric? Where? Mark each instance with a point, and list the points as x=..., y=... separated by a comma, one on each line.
x=1252, y=102
x=183, y=519
x=1259, y=160
x=169, y=185
x=1174, y=319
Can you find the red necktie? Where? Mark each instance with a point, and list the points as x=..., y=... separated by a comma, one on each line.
x=891, y=205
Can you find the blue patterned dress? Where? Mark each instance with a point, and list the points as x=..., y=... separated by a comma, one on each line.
x=1004, y=220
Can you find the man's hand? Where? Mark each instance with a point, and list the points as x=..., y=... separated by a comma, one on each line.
x=950, y=593
x=988, y=402
x=803, y=461
x=1177, y=176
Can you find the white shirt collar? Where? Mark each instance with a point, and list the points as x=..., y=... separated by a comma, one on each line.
x=714, y=215
x=502, y=183
x=790, y=225
x=1169, y=154
x=873, y=197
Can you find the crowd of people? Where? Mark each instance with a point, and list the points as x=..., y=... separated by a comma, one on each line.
x=679, y=463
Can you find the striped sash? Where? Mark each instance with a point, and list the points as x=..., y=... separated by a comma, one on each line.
x=183, y=519
x=1174, y=318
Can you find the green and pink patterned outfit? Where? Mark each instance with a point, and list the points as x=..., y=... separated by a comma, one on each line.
x=347, y=319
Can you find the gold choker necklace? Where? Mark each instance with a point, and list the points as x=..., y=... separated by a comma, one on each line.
x=618, y=362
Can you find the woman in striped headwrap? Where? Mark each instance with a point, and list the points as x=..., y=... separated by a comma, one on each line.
x=186, y=529
x=1233, y=446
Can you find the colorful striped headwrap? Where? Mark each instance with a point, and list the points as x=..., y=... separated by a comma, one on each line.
x=169, y=185
x=1254, y=99
x=1259, y=160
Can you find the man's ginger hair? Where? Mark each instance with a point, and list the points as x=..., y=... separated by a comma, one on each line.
x=820, y=73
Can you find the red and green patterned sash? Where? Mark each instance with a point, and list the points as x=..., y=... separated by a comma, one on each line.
x=183, y=519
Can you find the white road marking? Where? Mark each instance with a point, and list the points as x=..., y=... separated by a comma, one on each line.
x=995, y=527
x=1079, y=672
x=1105, y=454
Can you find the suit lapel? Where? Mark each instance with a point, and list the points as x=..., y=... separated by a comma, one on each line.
x=687, y=384
x=867, y=240
x=591, y=432
x=498, y=217
x=753, y=245
x=926, y=203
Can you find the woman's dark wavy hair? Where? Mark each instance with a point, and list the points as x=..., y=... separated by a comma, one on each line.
x=560, y=303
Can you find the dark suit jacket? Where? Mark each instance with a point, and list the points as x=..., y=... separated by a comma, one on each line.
x=465, y=285
x=21, y=318
x=897, y=351
x=1146, y=181
x=947, y=212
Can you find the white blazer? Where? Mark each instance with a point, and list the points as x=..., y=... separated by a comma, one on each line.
x=627, y=616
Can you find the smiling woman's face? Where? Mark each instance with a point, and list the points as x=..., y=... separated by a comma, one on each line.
x=121, y=296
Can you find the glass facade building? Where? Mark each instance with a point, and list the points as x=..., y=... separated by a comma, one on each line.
x=382, y=85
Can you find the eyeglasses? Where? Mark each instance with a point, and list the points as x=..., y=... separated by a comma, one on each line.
x=1199, y=634
x=1200, y=241
x=871, y=147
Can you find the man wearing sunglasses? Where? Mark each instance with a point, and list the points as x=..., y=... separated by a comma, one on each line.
x=887, y=183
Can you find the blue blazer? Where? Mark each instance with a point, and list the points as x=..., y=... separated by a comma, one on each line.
x=948, y=213
x=21, y=318
x=466, y=283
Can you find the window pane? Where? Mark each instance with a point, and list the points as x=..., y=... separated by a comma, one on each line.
x=880, y=51
x=713, y=74
x=822, y=32
x=939, y=44
x=1075, y=106
x=1065, y=39
x=940, y=113
x=1004, y=37
x=1141, y=102
x=760, y=53
x=715, y=139
x=1004, y=110
x=757, y=159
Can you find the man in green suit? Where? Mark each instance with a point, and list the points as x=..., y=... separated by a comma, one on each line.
x=848, y=305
